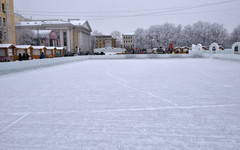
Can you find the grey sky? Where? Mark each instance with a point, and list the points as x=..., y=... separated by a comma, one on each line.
x=127, y=15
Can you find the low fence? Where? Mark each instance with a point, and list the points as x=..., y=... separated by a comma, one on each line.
x=16, y=66
x=11, y=67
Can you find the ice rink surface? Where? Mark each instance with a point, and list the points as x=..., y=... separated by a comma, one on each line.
x=161, y=104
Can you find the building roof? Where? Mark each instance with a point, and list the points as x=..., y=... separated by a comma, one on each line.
x=74, y=22
x=38, y=47
x=51, y=48
x=60, y=48
x=22, y=46
x=56, y=22
x=103, y=36
x=77, y=22
x=5, y=45
x=132, y=33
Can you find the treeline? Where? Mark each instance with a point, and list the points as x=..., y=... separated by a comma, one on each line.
x=200, y=32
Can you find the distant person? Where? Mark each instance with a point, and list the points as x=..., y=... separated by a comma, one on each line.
x=24, y=56
x=42, y=56
x=20, y=57
x=173, y=52
x=27, y=56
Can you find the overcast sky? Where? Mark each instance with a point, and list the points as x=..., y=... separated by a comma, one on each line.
x=128, y=15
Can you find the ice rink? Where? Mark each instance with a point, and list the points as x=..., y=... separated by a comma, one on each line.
x=152, y=104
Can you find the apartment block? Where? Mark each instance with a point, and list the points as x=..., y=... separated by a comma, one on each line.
x=7, y=26
x=102, y=41
x=128, y=41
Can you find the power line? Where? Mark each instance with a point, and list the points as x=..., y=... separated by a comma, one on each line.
x=127, y=11
x=163, y=12
x=171, y=14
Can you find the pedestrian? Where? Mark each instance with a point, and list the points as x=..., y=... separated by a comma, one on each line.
x=42, y=56
x=27, y=56
x=24, y=56
x=20, y=57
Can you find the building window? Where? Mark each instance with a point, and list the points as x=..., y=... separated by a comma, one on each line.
x=4, y=21
x=65, y=38
x=3, y=8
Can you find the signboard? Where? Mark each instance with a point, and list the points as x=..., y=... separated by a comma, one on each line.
x=108, y=42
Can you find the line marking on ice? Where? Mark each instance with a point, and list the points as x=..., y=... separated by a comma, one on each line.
x=123, y=82
x=120, y=110
x=13, y=123
x=162, y=108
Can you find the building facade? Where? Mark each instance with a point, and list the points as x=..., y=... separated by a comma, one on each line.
x=7, y=28
x=46, y=38
x=102, y=41
x=74, y=34
x=128, y=41
x=18, y=18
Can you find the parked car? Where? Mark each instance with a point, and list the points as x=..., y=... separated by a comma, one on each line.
x=67, y=54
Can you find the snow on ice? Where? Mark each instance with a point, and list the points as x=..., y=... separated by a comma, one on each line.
x=167, y=104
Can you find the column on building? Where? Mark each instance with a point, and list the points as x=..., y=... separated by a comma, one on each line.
x=80, y=40
x=68, y=40
x=71, y=40
x=61, y=38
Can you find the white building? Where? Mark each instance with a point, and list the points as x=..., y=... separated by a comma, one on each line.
x=73, y=34
x=128, y=40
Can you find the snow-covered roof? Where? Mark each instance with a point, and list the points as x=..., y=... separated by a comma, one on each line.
x=77, y=22
x=55, y=22
x=42, y=31
x=132, y=33
x=22, y=46
x=30, y=23
x=5, y=45
x=50, y=48
x=74, y=22
x=38, y=47
x=60, y=48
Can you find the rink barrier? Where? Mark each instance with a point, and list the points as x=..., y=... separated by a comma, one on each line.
x=17, y=66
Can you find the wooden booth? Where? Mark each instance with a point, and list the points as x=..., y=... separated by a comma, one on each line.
x=177, y=50
x=50, y=52
x=37, y=51
x=185, y=50
x=59, y=51
x=23, y=50
x=6, y=52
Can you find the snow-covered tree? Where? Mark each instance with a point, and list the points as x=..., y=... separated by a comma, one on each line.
x=235, y=35
x=200, y=32
x=204, y=33
x=118, y=36
x=96, y=33
x=139, y=38
x=24, y=36
x=186, y=38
